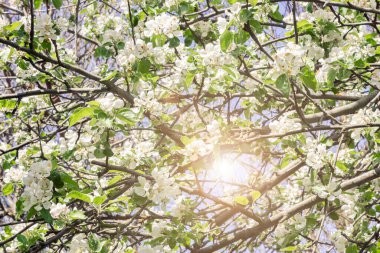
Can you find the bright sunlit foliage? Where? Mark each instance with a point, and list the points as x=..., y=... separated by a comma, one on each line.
x=147, y=126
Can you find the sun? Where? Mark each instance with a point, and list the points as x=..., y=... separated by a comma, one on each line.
x=225, y=168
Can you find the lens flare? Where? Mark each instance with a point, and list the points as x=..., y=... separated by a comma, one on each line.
x=225, y=169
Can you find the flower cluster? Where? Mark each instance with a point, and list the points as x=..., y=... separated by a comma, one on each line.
x=362, y=117
x=13, y=175
x=331, y=191
x=163, y=24
x=59, y=210
x=317, y=154
x=213, y=56
x=44, y=26
x=132, y=52
x=79, y=244
x=148, y=100
x=285, y=124
x=196, y=149
x=161, y=189
x=38, y=188
x=289, y=59
x=110, y=102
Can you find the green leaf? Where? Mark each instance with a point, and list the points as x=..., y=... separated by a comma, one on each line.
x=334, y=216
x=231, y=70
x=255, y=195
x=304, y=25
x=93, y=243
x=341, y=166
x=69, y=182
x=102, y=52
x=189, y=79
x=174, y=42
x=241, y=37
x=56, y=178
x=352, y=249
x=77, y=215
x=110, y=76
x=331, y=74
x=377, y=51
x=7, y=189
x=242, y=200
x=125, y=120
x=275, y=13
x=282, y=84
x=186, y=140
x=98, y=153
x=45, y=214
x=309, y=7
x=108, y=152
x=99, y=200
x=37, y=4
x=308, y=78
x=253, y=3
x=226, y=40
x=57, y=3
x=79, y=114
x=143, y=66
x=290, y=248
x=256, y=26
x=360, y=64
x=46, y=45
x=31, y=213
x=245, y=15
x=13, y=26
x=22, y=238
x=79, y=195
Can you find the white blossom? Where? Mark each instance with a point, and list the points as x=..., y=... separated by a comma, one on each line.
x=289, y=59
x=317, y=154
x=38, y=188
x=110, y=102
x=285, y=124
x=163, y=24
x=13, y=175
x=79, y=244
x=329, y=192
x=45, y=27
x=58, y=210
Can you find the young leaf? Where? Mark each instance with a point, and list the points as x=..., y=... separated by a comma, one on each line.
x=77, y=215
x=143, y=66
x=282, y=84
x=255, y=195
x=56, y=178
x=69, y=182
x=22, y=238
x=7, y=189
x=226, y=40
x=253, y=3
x=80, y=114
x=37, y=4
x=290, y=248
x=79, y=195
x=57, y=3
x=308, y=78
x=242, y=200
x=45, y=214
x=189, y=79
x=99, y=200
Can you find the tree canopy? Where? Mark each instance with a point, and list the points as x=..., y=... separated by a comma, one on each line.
x=189, y=126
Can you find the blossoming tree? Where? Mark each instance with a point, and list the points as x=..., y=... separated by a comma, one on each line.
x=189, y=126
